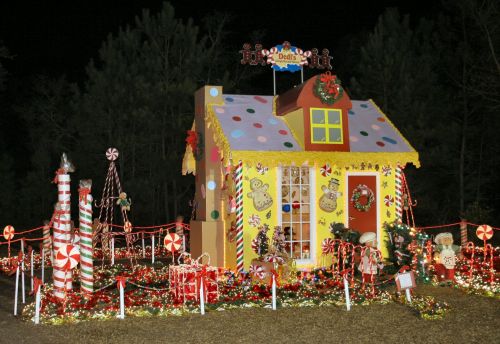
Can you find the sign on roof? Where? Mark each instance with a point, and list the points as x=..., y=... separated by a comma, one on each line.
x=284, y=57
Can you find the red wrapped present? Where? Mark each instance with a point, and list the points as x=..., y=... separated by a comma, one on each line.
x=185, y=281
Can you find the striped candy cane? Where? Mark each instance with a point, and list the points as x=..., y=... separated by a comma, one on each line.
x=86, y=250
x=47, y=241
x=399, y=193
x=62, y=228
x=239, y=217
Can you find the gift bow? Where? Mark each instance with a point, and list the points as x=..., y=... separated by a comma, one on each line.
x=345, y=272
x=120, y=281
x=84, y=193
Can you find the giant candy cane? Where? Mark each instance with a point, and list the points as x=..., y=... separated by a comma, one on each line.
x=239, y=217
x=86, y=250
x=62, y=225
x=399, y=194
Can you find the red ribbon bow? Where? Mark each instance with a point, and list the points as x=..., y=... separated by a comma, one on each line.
x=120, y=281
x=192, y=139
x=58, y=172
x=404, y=268
x=37, y=283
x=345, y=272
x=84, y=192
x=201, y=275
x=274, y=274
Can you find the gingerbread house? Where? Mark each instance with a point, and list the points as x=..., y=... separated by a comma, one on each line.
x=303, y=160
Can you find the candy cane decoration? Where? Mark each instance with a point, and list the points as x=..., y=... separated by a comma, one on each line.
x=67, y=257
x=470, y=248
x=47, y=240
x=86, y=249
x=62, y=227
x=239, y=217
x=399, y=194
x=8, y=234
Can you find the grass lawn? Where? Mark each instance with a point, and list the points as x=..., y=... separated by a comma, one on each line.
x=471, y=319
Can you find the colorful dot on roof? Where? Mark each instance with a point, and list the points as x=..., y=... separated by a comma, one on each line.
x=211, y=185
x=381, y=119
x=351, y=112
x=214, y=214
x=388, y=139
x=229, y=99
x=364, y=133
x=283, y=132
x=381, y=144
x=353, y=139
x=214, y=92
x=236, y=118
x=237, y=133
x=257, y=125
x=220, y=110
x=250, y=110
x=364, y=106
x=262, y=139
x=288, y=144
x=375, y=127
x=260, y=99
x=272, y=121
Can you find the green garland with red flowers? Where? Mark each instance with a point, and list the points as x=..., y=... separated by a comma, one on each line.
x=359, y=191
x=327, y=88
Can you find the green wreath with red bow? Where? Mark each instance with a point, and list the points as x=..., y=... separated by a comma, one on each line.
x=327, y=88
x=365, y=192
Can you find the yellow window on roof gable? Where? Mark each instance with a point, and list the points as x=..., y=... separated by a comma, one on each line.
x=326, y=126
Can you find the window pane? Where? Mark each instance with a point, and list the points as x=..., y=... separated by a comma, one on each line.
x=335, y=135
x=296, y=250
x=318, y=117
x=305, y=175
x=285, y=194
x=285, y=217
x=333, y=117
x=305, y=232
x=319, y=134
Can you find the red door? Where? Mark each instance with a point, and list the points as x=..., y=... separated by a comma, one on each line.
x=362, y=221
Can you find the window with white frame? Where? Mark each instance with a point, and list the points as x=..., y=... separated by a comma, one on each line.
x=296, y=210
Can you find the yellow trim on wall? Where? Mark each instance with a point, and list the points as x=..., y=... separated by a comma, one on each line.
x=326, y=126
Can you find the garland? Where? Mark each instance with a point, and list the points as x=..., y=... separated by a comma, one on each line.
x=327, y=88
x=362, y=190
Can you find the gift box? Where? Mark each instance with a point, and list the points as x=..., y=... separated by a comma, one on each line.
x=185, y=280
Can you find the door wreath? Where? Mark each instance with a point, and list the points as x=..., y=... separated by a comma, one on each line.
x=359, y=192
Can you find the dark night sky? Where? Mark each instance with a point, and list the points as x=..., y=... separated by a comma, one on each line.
x=60, y=37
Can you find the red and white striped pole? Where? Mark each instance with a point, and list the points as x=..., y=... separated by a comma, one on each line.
x=399, y=193
x=47, y=240
x=86, y=249
x=239, y=218
x=62, y=232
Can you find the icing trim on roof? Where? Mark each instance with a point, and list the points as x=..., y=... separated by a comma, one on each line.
x=220, y=139
x=343, y=159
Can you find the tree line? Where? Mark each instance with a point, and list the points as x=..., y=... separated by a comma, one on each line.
x=437, y=78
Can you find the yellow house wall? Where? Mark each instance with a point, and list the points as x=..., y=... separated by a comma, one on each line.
x=321, y=218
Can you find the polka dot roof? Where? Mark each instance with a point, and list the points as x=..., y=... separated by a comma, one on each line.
x=249, y=124
x=370, y=131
